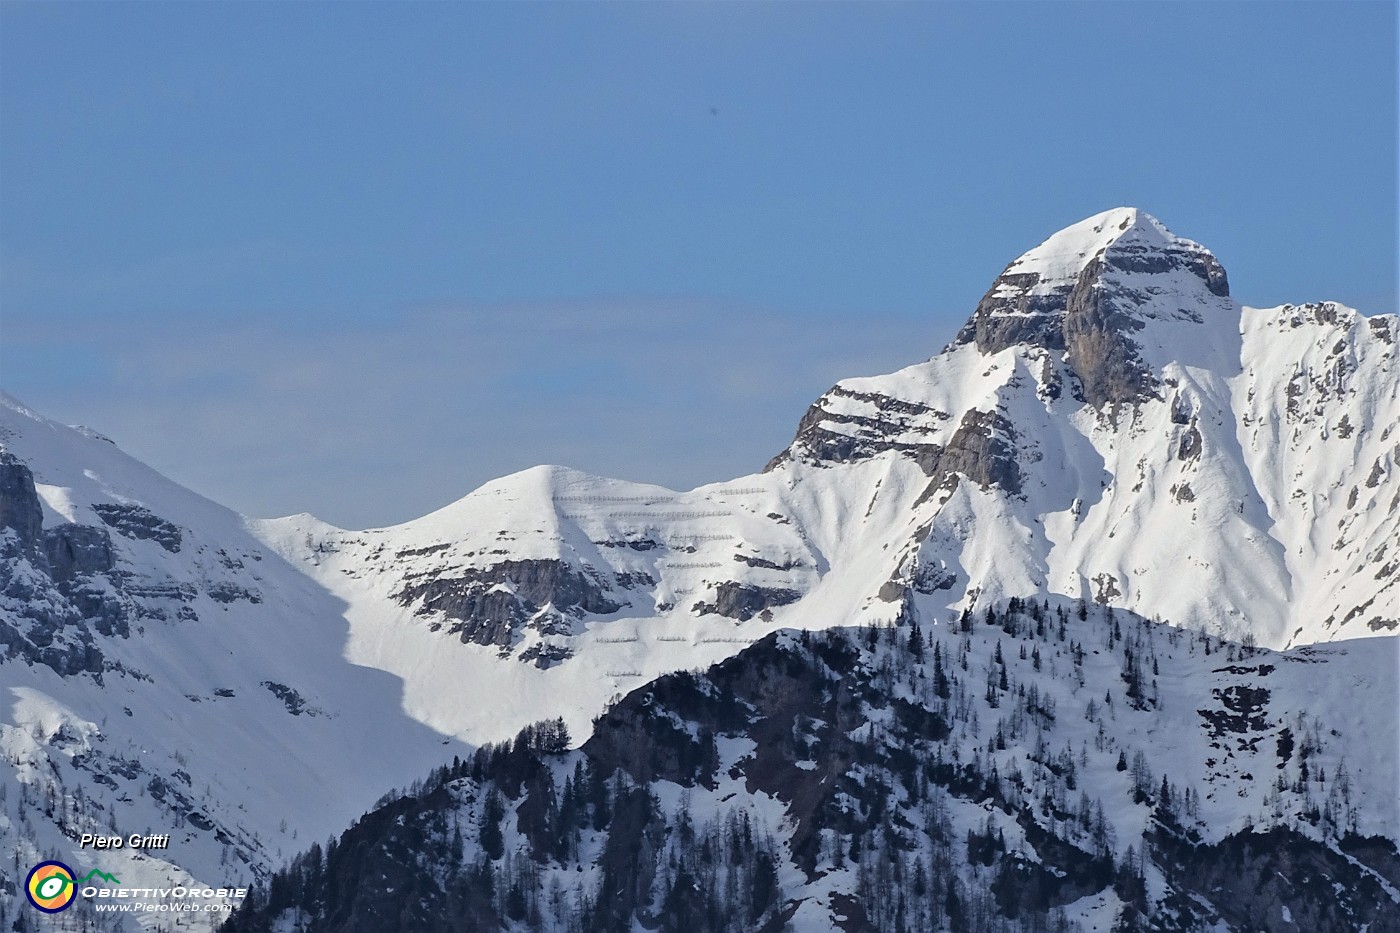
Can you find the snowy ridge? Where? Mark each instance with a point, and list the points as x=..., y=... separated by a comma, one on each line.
x=1060, y=259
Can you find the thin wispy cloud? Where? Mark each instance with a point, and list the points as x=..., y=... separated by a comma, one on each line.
x=274, y=419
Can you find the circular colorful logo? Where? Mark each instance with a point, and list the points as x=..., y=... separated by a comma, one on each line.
x=50, y=887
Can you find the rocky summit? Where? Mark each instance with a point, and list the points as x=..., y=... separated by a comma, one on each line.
x=1086, y=290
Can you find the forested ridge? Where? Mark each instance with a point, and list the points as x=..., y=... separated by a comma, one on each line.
x=987, y=774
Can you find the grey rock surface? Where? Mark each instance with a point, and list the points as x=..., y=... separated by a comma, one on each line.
x=489, y=605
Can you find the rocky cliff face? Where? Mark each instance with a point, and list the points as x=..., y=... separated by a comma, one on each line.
x=1088, y=289
x=20, y=511
x=57, y=586
x=490, y=605
x=983, y=449
x=832, y=434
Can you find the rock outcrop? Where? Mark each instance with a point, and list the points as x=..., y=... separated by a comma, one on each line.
x=20, y=510
x=1088, y=289
x=490, y=605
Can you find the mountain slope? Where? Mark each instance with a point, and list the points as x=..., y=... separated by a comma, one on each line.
x=166, y=673
x=1020, y=770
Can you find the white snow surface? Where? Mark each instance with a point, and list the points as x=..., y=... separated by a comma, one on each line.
x=1059, y=260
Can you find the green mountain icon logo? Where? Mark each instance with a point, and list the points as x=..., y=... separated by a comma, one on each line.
x=98, y=874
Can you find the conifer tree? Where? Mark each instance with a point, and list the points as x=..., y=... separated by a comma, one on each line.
x=916, y=644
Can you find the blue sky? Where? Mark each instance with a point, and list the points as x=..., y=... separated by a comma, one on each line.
x=358, y=258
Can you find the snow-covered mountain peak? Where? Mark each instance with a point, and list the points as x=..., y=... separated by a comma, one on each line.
x=1062, y=257
x=1112, y=294
x=1109, y=393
